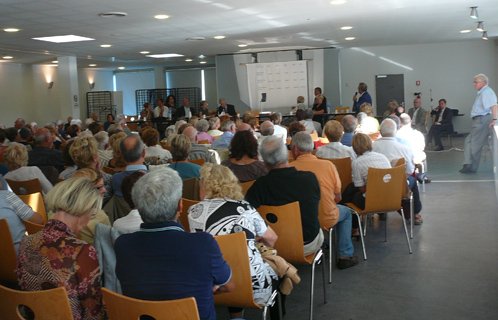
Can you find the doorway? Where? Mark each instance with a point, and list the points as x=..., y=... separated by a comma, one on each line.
x=389, y=87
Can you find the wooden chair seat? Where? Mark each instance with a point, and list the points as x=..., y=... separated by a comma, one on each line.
x=8, y=260
x=203, y=141
x=187, y=203
x=25, y=187
x=35, y=201
x=198, y=162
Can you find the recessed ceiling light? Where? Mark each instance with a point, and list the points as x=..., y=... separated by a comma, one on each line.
x=164, y=55
x=219, y=37
x=203, y=62
x=161, y=16
x=7, y=57
x=92, y=65
x=484, y=35
x=242, y=45
x=144, y=52
x=63, y=39
x=106, y=45
x=465, y=31
x=55, y=61
x=338, y=2
x=346, y=28
x=188, y=60
x=10, y=29
x=121, y=68
x=349, y=38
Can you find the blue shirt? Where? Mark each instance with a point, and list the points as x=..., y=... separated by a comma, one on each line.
x=223, y=142
x=486, y=98
x=163, y=262
x=346, y=139
x=118, y=177
x=187, y=170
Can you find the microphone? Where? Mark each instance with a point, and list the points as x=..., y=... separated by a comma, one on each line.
x=356, y=93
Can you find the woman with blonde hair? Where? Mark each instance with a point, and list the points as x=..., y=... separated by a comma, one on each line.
x=16, y=158
x=55, y=257
x=368, y=124
x=223, y=211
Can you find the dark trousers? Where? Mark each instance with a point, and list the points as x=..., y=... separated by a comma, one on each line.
x=353, y=195
x=436, y=131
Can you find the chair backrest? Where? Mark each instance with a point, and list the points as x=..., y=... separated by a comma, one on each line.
x=184, y=215
x=51, y=173
x=32, y=228
x=120, y=307
x=25, y=187
x=404, y=184
x=343, y=166
x=314, y=136
x=50, y=304
x=291, y=157
x=323, y=140
x=246, y=185
x=282, y=219
x=8, y=260
x=191, y=189
x=383, y=189
x=203, y=141
x=399, y=162
x=132, y=126
x=223, y=153
x=374, y=135
x=198, y=162
x=427, y=117
x=165, y=145
x=107, y=169
x=234, y=249
x=341, y=110
x=35, y=201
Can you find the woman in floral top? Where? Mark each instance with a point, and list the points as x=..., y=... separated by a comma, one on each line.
x=55, y=257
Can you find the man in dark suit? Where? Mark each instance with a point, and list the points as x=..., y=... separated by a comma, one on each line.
x=226, y=108
x=364, y=97
x=442, y=124
x=185, y=111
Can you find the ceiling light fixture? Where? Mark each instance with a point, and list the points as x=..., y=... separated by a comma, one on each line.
x=336, y=2
x=164, y=55
x=144, y=52
x=92, y=65
x=473, y=13
x=121, y=68
x=480, y=26
x=7, y=57
x=161, y=16
x=50, y=84
x=188, y=60
x=465, y=31
x=10, y=29
x=55, y=61
x=349, y=38
x=106, y=45
x=346, y=28
x=202, y=62
x=485, y=35
x=64, y=39
x=113, y=14
x=242, y=45
x=219, y=37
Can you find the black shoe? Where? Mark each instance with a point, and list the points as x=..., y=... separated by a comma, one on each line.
x=347, y=263
x=466, y=169
x=439, y=148
x=427, y=180
x=382, y=216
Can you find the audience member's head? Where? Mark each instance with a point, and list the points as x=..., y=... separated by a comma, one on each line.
x=114, y=128
x=193, y=121
x=392, y=106
x=19, y=123
x=180, y=147
x=25, y=133
x=43, y=137
x=121, y=119
x=360, y=117
x=157, y=195
x=308, y=113
x=191, y=133
x=95, y=116
x=405, y=119
x=361, y=143
x=367, y=108
x=2, y=136
x=395, y=119
x=150, y=137
x=295, y=127
x=73, y=130
x=95, y=127
x=276, y=117
x=16, y=157
x=243, y=144
x=219, y=182
x=244, y=127
x=349, y=123
x=127, y=186
x=300, y=115
x=274, y=152
x=88, y=121
x=183, y=127
x=94, y=176
x=228, y=125
x=236, y=120
x=110, y=117
x=334, y=131
x=388, y=128
x=303, y=142
x=12, y=134
x=214, y=123
x=300, y=99
x=115, y=142
x=132, y=149
x=224, y=118
x=202, y=126
x=76, y=122
x=267, y=128
x=85, y=152
x=102, y=139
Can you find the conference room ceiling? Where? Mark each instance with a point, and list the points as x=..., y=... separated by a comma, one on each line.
x=268, y=25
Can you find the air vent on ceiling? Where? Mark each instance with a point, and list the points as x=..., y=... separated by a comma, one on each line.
x=195, y=39
x=113, y=14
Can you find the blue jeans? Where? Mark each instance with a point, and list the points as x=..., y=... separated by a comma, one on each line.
x=343, y=226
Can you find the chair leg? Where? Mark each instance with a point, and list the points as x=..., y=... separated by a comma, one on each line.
x=406, y=231
x=331, y=231
x=317, y=258
x=412, y=215
x=385, y=229
x=323, y=280
x=365, y=218
x=361, y=235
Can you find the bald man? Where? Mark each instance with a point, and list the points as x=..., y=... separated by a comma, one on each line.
x=197, y=151
x=418, y=114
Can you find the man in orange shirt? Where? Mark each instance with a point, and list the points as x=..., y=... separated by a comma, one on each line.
x=330, y=214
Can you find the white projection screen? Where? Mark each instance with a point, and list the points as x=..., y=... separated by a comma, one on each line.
x=280, y=82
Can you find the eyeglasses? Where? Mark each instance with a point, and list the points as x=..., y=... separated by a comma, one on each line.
x=478, y=81
x=100, y=188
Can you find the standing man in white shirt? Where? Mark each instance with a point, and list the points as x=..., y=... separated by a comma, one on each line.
x=484, y=114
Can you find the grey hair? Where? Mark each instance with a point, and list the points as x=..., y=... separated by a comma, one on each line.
x=349, y=123
x=388, y=128
x=41, y=138
x=360, y=117
x=157, y=194
x=76, y=122
x=405, y=119
x=308, y=113
x=362, y=86
x=178, y=124
x=170, y=130
x=114, y=128
x=102, y=138
x=303, y=141
x=267, y=128
x=120, y=118
x=273, y=151
x=395, y=118
x=213, y=122
x=222, y=99
x=227, y=125
x=133, y=154
x=23, y=122
x=202, y=125
x=482, y=77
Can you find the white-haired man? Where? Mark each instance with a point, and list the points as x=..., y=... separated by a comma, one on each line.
x=484, y=114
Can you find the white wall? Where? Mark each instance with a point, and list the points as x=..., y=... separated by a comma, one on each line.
x=128, y=82
x=102, y=80
x=445, y=68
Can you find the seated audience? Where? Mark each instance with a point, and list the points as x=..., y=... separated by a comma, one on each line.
x=180, y=149
x=243, y=157
x=151, y=138
x=197, y=151
x=228, y=127
x=308, y=117
x=442, y=124
x=226, y=109
x=132, y=220
x=418, y=114
x=114, y=128
x=73, y=131
x=25, y=138
x=300, y=103
x=391, y=109
x=278, y=129
x=202, y=127
x=16, y=158
x=223, y=211
x=193, y=121
x=117, y=162
x=267, y=129
x=105, y=155
x=334, y=149
x=416, y=140
x=368, y=124
x=301, y=117
x=349, y=125
x=43, y=154
x=192, y=267
x=55, y=257
x=68, y=161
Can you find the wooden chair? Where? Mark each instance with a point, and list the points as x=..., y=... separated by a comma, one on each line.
x=374, y=136
x=164, y=145
x=323, y=140
x=291, y=157
x=191, y=189
x=198, y=162
x=383, y=195
x=52, y=304
x=234, y=249
x=203, y=141
x=407, y=195
x=187, y=203
x=8, y=261
x=246, y=185
x=314, y=136
x=217, y=137
x=25, y=187
x=132, y=126
x=107, y=169
x=120, y=307
x=289, y=245
x=35, y=201
x=343, y=166
x=32, y=228
x=342, y=110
